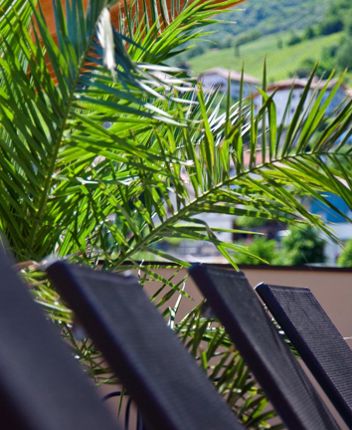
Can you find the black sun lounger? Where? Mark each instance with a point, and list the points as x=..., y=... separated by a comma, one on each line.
x=170, y=390
x=42, y=387
x=274, y=366
x=317, y=340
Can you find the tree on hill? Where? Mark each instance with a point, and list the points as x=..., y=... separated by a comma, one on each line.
x=294, y=39
x=334, y=19
x=343, y=54
x=309, y=33
x=331, y=24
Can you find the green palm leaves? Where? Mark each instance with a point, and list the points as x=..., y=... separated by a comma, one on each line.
x=55, y=99
x=91, y=163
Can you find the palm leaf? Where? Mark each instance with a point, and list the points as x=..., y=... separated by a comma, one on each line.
x=166, y=157
x=53, y=110
x=269, y=188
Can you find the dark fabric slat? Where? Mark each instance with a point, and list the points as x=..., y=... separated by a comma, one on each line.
x=41, y=385
x=317, y=340
x=277, y=371
x=169, y=388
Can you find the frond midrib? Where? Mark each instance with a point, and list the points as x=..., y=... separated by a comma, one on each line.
x=56, y=147
x=178, y=215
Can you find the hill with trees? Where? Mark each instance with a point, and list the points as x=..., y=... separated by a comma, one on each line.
x=292, y=34
x=275, y=49
x=256, y=18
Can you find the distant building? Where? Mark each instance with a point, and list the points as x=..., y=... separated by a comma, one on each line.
x=291, y=90
x=218, y=78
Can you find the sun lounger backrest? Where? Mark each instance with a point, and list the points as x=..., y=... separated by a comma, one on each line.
x=168, y=387
x=41, y=385
x=317, y=340
x=277, y=371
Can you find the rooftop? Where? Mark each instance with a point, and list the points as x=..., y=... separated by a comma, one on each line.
x=232, y=74
x=302, y=83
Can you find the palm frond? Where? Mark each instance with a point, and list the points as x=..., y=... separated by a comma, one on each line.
x=222, y=169
x=93, y=164
x=55, y=104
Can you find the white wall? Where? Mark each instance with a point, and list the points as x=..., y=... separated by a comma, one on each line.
x=213, y=81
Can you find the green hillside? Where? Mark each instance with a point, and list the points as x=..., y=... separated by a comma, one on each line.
x=281, y=61
x=256, y=18
x=271, y=16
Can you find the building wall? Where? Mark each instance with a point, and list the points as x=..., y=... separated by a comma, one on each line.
x=337, y=100
x=331, y=286
x=282, y=95
x=213, y=81
x=281, y=98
